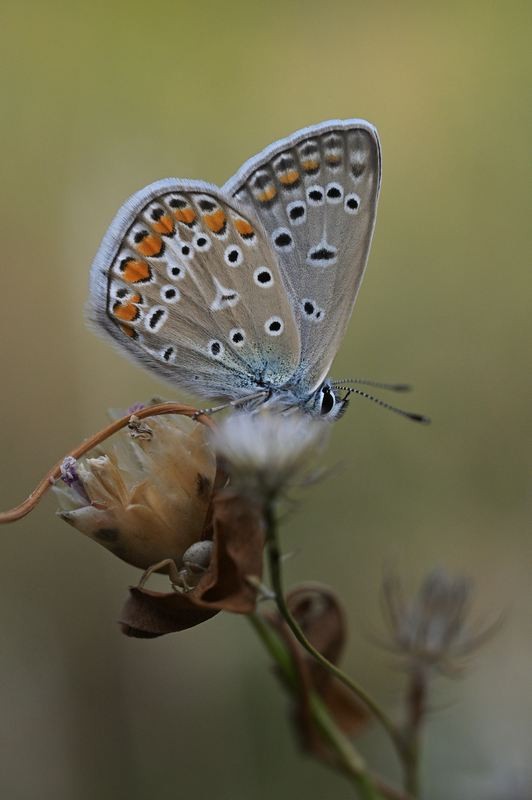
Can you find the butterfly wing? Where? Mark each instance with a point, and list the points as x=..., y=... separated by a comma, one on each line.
x=316, y=195
x=186, y=283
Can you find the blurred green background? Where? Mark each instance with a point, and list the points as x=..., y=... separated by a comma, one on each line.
x=98, y=99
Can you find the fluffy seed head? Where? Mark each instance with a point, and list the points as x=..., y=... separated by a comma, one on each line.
x=266, y=453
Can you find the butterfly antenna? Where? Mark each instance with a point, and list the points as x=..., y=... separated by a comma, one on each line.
x=390, y=387
x=409, y=414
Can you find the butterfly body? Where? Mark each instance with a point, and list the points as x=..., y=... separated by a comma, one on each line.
x=246, y=291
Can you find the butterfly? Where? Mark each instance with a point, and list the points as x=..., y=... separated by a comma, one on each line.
x=244, y=292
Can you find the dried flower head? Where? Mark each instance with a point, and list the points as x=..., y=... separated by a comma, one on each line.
x=153, y=498
x=432, y=629
x=267, y=453
x=146, y=496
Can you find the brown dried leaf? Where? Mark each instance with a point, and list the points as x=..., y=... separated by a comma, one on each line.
x=317, y=610
x=148, y=614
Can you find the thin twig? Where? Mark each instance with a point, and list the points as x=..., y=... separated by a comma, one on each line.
x=55, y=472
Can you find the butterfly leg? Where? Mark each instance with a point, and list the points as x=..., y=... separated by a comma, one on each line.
x=242, y=401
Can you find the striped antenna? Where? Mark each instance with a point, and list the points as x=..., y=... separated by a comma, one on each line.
x=409, y=414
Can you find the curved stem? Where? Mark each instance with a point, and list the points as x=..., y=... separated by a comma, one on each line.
x=55, y=472
x=274, y=560
x=369, y=787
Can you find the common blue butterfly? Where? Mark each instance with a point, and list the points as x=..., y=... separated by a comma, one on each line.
x=246, y=291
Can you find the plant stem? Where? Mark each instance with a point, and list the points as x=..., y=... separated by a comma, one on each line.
x=415, y=712
x=274, y=561
x=351, y=761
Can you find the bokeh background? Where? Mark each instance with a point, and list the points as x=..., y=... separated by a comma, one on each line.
x=98, y=99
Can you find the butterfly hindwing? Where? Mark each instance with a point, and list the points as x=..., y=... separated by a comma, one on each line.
x=316, y=194
x=187, y=283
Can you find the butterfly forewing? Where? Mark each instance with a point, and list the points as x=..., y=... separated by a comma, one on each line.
x=316, y=194
x=188, y=283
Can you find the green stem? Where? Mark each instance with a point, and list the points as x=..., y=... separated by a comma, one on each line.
x=352, y=762
x=415, y=707
x=274, y=561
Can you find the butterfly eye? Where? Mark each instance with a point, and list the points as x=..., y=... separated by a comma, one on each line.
x=327, y=400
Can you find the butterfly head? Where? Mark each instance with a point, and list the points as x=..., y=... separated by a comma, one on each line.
x=327, y=403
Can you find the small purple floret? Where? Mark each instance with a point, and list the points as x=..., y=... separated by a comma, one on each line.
x=135, y=407
x=69, y=470
x=70, y=476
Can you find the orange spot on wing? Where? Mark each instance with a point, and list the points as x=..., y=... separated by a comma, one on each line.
x=127, y=312
x=215, y=222
x=164, y=225
x=289, y=177
x=267, y=195
x=243, y=227
x=135, y=298
x=186, y=215
x=333, y=158
x=151, y=245
x=310, y=164
x=135, y=271
x=128, y=331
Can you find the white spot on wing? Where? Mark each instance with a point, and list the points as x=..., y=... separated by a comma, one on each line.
x=322, y=255
x=296, y=212
x=233, y=255
x=237, y=337
x=155, y=318
x=334, y=193
x=215, y=349
x=225, y=298
x=315, y=195
x=352, y=203
x=263, y=277
x=170, y=294
x=274, y=326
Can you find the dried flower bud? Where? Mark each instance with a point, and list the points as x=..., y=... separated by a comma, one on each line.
x=144, y=498
x=432, y=629
x=267, y=453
